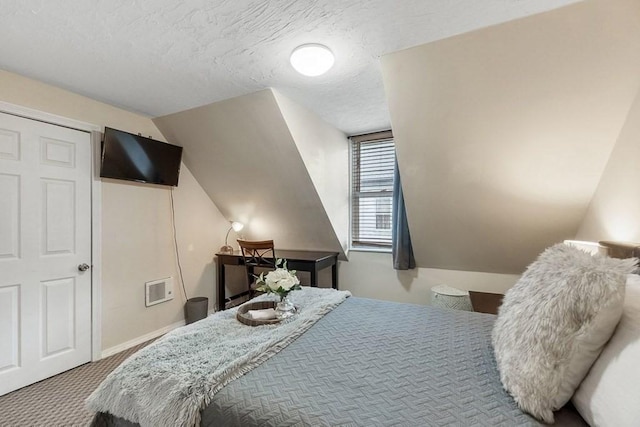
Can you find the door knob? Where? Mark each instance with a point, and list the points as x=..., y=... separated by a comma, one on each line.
x=84, y=267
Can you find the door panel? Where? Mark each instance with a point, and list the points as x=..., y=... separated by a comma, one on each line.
x=58, y=224
x=9, y=327
x=9, y=219
x=58, y=326
x=57, y=153
x=45, y=233
x=9, y=144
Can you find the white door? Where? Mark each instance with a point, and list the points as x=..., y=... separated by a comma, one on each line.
x=45, y=235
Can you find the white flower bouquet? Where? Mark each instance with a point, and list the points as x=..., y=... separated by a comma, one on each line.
x=280, y=281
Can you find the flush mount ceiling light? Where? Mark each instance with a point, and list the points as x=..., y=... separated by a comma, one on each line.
x=312, y=59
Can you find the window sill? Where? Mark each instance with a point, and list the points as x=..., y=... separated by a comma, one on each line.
x=363, y=249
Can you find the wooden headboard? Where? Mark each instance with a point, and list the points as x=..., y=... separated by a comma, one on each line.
x=621, y=249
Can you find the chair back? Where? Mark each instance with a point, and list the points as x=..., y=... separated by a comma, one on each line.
x=257, y=254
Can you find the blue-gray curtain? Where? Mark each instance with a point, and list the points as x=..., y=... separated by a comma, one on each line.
x=401, y=238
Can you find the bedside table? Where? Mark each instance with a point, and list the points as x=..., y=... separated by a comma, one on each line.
x=485, y=302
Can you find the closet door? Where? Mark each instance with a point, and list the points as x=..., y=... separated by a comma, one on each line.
x=45, y=250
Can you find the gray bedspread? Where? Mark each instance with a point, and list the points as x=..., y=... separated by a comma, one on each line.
x=375, y=363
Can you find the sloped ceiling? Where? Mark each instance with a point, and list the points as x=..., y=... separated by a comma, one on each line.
x=325, y=152
x=503, y=133
x=615, y=208
x=243, y=154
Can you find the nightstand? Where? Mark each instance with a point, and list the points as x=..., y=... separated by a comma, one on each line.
x=485, y=302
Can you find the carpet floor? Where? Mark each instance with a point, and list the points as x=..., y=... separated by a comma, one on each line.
x=59, y=401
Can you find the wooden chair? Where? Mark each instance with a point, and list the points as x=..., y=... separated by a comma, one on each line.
x=257, y=254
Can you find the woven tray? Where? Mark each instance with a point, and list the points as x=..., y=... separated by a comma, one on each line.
x=243, y=317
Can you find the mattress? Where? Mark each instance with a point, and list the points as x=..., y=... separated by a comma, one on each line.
x=380, y=363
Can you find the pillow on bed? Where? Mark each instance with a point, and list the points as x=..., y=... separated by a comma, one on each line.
x=553, y=323
x=610, y=393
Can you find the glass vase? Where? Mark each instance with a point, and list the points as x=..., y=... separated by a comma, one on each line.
x=285, y=308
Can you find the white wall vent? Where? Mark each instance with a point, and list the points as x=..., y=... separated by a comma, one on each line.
x=158, y=291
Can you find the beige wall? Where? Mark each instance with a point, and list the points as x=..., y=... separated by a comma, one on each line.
x=503, y=133
x=136, y=229
x=614, y=213
x=371, y=275
x=244, y=155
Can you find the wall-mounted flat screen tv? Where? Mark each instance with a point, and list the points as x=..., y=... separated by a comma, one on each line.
x=136, y=158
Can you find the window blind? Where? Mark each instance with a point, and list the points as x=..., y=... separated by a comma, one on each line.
x=373, y=161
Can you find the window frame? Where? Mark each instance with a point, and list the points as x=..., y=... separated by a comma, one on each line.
x=371, y=137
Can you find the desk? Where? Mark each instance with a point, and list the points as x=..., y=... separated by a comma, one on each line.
x=311, y=261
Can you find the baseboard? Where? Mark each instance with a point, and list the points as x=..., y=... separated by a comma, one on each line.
x=146, y=337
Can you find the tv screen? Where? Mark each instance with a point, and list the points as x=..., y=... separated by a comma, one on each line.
x=136, y=158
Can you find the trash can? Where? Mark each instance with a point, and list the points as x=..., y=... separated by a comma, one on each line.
x=196, y=309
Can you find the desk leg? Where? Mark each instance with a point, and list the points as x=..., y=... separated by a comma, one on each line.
x=314, y=276
x=334, y=275
x=250, y=280
x=221, y=296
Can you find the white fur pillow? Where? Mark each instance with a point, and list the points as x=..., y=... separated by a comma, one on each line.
x=553, y=323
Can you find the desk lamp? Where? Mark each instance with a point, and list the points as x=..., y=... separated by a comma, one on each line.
x=235, y=226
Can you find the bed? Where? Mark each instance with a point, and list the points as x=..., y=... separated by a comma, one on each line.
x=370, y=362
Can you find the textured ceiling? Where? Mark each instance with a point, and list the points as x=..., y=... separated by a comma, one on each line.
x=163, y=56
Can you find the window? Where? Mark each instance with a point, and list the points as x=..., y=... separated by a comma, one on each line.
x=373, y=160
x=383, y=213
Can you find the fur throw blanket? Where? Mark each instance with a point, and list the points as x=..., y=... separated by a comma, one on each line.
x=169, y=382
